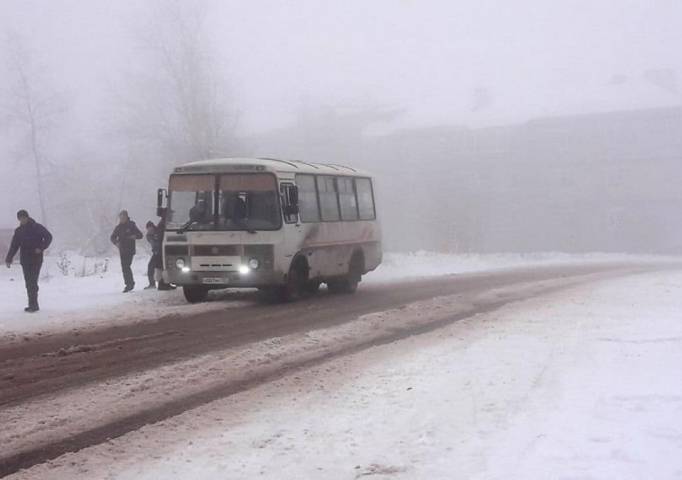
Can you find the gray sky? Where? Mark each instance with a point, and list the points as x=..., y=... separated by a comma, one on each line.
x=441, y=62
x=445, y=62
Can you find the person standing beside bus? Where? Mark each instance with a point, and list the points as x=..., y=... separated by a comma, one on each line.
x=155, y=266
x=33, y=239
x=124, y=237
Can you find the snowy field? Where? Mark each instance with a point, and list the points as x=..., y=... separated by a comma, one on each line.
x=577, y=384
x=86, y=296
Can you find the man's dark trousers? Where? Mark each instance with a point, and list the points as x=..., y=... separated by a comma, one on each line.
x=31, y=276
x=154, y=262
x=126, y=262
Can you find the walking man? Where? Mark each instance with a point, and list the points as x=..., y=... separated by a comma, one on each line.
x=124, y=236
x=32, y=239
x=155, y=266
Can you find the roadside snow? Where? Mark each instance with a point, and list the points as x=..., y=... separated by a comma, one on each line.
x=71, y=301
x=421, y=264
x=577, y=384
x=48, y=418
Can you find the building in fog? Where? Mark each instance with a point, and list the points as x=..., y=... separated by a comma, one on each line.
x=603, y=182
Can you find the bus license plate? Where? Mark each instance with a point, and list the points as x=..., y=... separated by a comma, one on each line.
x=214, y=280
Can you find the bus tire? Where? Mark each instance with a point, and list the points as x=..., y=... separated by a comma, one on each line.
x=297, y=281
x=349, y=283
x=195, y=294
x=342, y=285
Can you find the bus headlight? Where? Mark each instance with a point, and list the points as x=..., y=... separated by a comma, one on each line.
x=243, y=269
x=180, y=263
x=254, y=263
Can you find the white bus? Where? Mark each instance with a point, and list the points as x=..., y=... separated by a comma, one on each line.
x=281, y=226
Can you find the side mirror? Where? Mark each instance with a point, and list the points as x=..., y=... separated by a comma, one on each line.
x=291, y=200
x=161, y=202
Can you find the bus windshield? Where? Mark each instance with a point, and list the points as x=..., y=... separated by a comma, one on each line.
x=191, y=202
x=248, y=202
x=225, y=202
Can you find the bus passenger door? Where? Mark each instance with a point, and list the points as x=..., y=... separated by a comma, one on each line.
x=292, y=229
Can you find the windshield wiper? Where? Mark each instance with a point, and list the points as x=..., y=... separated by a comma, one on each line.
x=186, y=226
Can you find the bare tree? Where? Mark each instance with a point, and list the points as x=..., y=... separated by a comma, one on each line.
x=31, y=108
x=172, y=104
x=179, y=100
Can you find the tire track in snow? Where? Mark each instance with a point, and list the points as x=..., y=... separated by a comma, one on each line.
x=33, y=369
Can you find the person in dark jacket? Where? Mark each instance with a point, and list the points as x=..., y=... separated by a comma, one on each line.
x=32, y=239
x=124, y=236
x=155, y=266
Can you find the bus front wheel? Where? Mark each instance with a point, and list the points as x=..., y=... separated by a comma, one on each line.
x=297, y=282
x=195, y=294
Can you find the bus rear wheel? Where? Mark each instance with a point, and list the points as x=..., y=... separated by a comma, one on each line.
x=342, y=285
x=312, y=287
x=348, y=283
x=194, y=294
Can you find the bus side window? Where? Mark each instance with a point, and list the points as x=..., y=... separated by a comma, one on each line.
x=329, y=202
x=307, y=198
x=363, y=187
x=349, y=207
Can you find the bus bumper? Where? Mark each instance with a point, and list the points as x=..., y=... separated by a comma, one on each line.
x=252, y=279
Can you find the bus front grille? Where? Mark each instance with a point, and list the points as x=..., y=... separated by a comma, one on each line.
x=177, y=250
x=217, y=250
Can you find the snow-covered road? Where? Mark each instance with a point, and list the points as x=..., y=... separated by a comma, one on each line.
x=577, y=383
x=87, y=298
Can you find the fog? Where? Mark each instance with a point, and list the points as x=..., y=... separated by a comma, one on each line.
x=490, y=126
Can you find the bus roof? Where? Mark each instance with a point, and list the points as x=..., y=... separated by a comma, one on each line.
x=245, y=164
